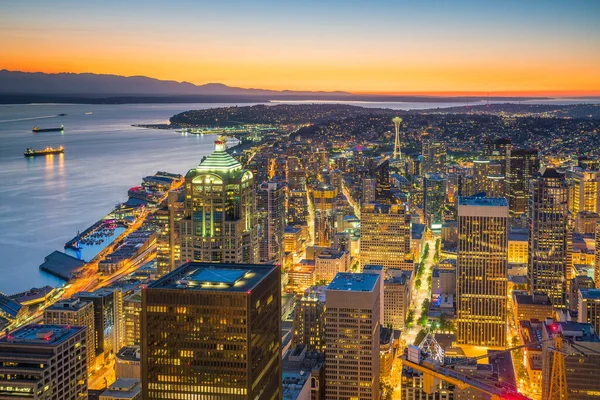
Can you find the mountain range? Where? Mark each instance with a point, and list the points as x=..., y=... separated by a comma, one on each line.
x=88, y=84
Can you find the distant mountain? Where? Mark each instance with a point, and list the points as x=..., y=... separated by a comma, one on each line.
x=39, y=83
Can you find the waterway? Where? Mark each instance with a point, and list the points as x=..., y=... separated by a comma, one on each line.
x=44, y=201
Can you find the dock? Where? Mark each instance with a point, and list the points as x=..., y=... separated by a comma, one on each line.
x=62, y=265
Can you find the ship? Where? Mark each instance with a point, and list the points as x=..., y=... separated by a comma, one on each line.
x=48, y=150
x=36, y=129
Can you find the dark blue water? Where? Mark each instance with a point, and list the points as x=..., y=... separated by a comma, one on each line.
x=44, y=201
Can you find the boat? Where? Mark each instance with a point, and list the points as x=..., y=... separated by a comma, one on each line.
x=36, y=129
x=48, y=150
x=62, y=115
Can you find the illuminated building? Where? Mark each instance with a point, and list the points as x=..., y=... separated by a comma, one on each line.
x=302, y=276
x=523, y=165
x=296, y=175
x=132, y=308
x=74, y=312
x=495, y=186
x=499, y=151
x=309, y=319
x=583, y=190
x=397, y=154
x=577, y=283
x=588, y=307
x=271, y=221
x=481, y=271
x=530, y=332
x=128, y=363
x=352, y=337
x=585, y=222
x=368, y=190
x=109, y=324
x=597, y=256
x=220, y=211
x=480, y=173
x=434, y=196
x=382, y=187
x=44, y=362
x=386, y=351
x=297, y=207
x=123, y=389
x=518, y=246
x=547, y=222
x=292, y=240
x=385, y=236
x=329, y=263
x=212, y=331
x=434, y=156
x=323, y=201
x=396, y=299
x=168, y=248
x=581, y=372
x=531, y=306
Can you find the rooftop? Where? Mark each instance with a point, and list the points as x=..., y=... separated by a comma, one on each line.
x=590, y=294
x=123, y=388
x=129, y=353
x=482, y=201
x=74, y=304
x=47, y=335
x=353, y=282
x=214, y=277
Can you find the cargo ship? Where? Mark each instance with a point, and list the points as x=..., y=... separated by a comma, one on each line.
x=36, y=129
x=48, y=150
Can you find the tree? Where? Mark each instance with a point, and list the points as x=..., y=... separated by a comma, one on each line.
x=418, y=284
x=410, y=319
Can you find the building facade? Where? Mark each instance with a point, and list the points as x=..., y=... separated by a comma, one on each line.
x=481, y=271
x=271, y=221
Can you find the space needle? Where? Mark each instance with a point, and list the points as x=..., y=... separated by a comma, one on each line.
x=397, y=155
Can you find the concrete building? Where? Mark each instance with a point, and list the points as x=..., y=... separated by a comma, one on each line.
x=531, y=306
x=303, y=374
x=128, y=363
x=323, y=201
x=530, y=332
x=547, y=222
x=583, y=190
x=481, y=271
x=588, y=307
x=329, y=263
x=385, y=236
x=434, y=197
x=44, y=362
x=123, y=389
x=292, y=240
x=397, y=294
x=434, y=156
x=132, y=307
x=352, y=337
x=585, y=222
x=168, y=238
x=518, y=246
x=368, y=190
x=577, y=283
x=270, y=209
x=309, y=319
x=75, y=312
x=443, y=279
x=220, y=211
x=213, y=330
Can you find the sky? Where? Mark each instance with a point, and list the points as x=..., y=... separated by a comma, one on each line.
x=545, y=47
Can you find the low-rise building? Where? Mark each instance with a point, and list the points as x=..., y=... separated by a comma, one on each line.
x=128, y=363
x=588, y=307
x=527, y=307
x=123, y=389
x=329, y=263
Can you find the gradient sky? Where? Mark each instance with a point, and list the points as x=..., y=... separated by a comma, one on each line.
x=498, y=46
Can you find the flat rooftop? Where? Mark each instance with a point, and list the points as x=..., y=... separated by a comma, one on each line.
x=74, y=304
x=353, y=282
x=482, y=201
x=129, y=353
x=590, y=294
x=46, y=335
x=214, y=277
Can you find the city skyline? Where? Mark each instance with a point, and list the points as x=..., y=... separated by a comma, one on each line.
x=544, y=49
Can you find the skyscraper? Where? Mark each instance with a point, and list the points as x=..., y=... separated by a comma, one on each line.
x=75, y=312
x=523, y=165
x=547, y=222
x=499, y=150
x=271, y=221
x=583, y=190
x=434, y=196
x=385, y=236
x=168, y=248
x=323, y=200
x=220, y=211
x=352, y=337
x=434, y=156
x=309, y=319
x=481, y=271
x=46, y=362
x=213, y=331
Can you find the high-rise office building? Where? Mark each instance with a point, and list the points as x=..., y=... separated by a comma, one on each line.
x=271, y=221
x=74, y=312
x=481, y=271
x=352, y=337
x=44, y=362
x=220, y=211
x=296, y=175
x=597, y=256
x=168, y=243
x=434, y=197
x=547, y=222
x=368, y=190
x=213, y=331
x=323, y=201
x=499, y=150
x=309, y=319
x=397, y=294
x=329, y=263
x=434, y=156
x=583, y=190
x=297, y=207
x=132, y=308
x=523, y=165
x=109, y=324
x=385, y=236
x=588, y=307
